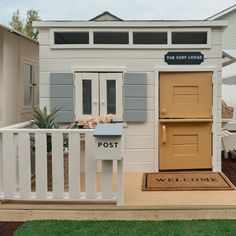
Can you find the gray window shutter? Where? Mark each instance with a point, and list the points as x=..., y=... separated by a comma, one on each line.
x=135, y=97
x=62, y=96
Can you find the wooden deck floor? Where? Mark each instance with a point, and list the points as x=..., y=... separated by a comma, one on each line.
x=138, y=205
x=134, y=196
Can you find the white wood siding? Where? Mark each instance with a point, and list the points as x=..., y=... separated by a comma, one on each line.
x=230, y=32
x=140, y=138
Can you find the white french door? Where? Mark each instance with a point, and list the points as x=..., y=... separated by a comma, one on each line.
x=98, y=94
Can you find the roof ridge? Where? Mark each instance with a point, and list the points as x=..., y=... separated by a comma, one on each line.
x=106, y=13
x=219, y=14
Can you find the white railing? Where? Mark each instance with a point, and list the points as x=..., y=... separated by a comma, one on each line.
x=35, y=164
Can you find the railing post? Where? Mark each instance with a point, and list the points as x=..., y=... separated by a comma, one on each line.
x=24, y=166
x=106, y=185
x=90, y=167
x=57, y=166
x=74, y=165
x=9, y=163
x=120, y=182
x=41, y=165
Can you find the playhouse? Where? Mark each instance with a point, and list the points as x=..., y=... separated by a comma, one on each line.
x=162, y=79
x=19, y=70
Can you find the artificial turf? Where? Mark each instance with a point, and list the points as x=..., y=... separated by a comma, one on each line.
x=132, y=228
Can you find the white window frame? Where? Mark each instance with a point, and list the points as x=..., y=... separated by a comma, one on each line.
x=79, y=77
x=36, y=86
x=130, y=45
x=32, y=85
x=29, y=86
x=104, y=77
x=207, y=45
x=99, y=96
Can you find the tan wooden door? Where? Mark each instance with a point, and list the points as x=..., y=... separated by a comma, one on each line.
x=185, y=121
x=185, y=146
x=186, y=95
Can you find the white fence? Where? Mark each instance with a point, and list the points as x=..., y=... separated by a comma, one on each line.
x=55, y=164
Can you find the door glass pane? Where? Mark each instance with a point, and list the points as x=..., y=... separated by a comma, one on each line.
x=36, y=87
x=27, y=95
x=87, y=97
x=36, y=75
x=28, y=79
x=36, y=96
x=27, y=74
x=111, y=97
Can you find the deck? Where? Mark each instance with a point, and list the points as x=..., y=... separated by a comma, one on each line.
x=90, y=195
x=138, y=205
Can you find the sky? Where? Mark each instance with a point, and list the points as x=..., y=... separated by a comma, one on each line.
x=125, y=9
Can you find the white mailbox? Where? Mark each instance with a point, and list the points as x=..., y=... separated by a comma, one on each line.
x=108, y=141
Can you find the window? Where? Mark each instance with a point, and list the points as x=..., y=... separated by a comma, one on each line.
x=145, y=37
x=189, y=37
x=28, y=80
x=111, y=37
x=98, y=94
x=149, y=37
x=30, y=85
x=111, y=96
x=87, y=96
x=36, y=87
x=71, y=37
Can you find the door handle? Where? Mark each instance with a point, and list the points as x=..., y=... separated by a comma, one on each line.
x=163, y=134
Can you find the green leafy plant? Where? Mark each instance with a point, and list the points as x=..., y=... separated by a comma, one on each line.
x=44, y=120
x=25, y=26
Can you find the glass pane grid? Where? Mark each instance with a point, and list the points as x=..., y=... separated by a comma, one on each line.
x=111, y=97
x=87, y=97
x=111, y=37
x=149, y=37
x=189, y=37
x=71, y=37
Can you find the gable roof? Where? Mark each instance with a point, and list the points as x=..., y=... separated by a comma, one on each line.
x=222, y=13
x=106, y=16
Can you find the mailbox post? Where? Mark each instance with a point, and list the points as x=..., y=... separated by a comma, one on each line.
x=108, y=147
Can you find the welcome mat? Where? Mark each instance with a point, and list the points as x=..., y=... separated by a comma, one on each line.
x=184, y=181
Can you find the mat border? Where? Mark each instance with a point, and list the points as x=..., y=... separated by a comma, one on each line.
x=144, y=183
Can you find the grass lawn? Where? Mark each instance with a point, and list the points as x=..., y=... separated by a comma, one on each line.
x=133, y=228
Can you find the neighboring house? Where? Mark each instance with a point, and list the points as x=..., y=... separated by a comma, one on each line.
x=19, y=68
x=229, y=47
x=155, y=76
